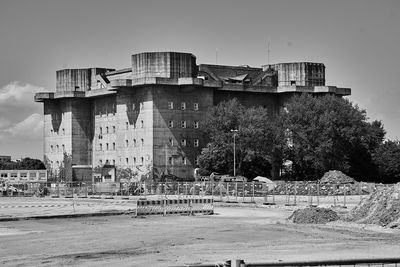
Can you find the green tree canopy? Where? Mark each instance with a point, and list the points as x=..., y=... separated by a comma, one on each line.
x=387, y=158
x=255, y=139
x=324, y=134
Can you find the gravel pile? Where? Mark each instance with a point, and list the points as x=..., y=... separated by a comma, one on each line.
x=314, y=216
x=381, y=208
x=336, y=177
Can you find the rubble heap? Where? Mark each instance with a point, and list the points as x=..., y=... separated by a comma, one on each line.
x=336, y=177
x=313, y=216
x=382, y=208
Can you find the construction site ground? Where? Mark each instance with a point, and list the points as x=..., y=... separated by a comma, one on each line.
x=253, y=232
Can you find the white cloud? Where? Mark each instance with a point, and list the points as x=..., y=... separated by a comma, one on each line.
x=4, y=123
x=31, y=128
x=18, y=94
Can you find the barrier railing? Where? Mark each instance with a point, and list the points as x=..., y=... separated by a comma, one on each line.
x=346, y=262
x=283, y=193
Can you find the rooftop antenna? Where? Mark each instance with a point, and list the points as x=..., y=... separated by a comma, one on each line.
x=268, y=50
x=216, y=56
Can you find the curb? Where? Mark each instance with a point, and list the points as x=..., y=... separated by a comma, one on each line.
x=61, y=216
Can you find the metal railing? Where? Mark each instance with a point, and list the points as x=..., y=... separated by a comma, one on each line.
x=344, y=262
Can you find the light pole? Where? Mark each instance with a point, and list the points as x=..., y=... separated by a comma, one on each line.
x=234, y=151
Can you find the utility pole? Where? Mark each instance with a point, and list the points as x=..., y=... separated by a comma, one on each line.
x=234, y=151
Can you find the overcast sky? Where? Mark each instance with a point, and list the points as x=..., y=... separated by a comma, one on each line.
x=357, y=40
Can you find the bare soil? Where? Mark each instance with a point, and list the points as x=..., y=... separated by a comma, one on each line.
x=249, y=233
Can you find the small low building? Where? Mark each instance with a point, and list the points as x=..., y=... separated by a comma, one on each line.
x=23, y=176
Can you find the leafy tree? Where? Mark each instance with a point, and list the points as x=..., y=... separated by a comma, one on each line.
x=23, y=164
x=256, y=140
x=328, y=133
x=387, y=158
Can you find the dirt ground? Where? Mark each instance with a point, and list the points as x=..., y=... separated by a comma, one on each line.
x=249, y=233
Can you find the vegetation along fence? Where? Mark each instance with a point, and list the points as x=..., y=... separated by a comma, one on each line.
x=286, y=193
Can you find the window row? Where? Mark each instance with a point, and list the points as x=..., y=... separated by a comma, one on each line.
x=135, y=144
x=179, y=160
x=57, y=132
x=184, y=124
x=57, y=148
x=183, y=106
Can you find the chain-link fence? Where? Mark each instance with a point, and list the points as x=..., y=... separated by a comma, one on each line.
x=282, y=193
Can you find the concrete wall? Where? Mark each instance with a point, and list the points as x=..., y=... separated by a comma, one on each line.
x=78, y=79
x=300, y=73
x=164, y=64
x=168, y=151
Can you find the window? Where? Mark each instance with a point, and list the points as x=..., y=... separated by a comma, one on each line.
x=63, y=148
x=106, y=146
x=196, y=106
x=134, y=160
x=101, y=162
x=63, y=131
x=142, y=160
x=171, y=124
x=14, y=175
x=171, y=142
x=58, y=148
x=196, y=142
x=113, y=146
x=101, y=147
x=170, y=160
x=196, y=124
x=126, y=125
x=113, y=161
x=183, y=106
x=107, y=130
x=170, y=105
x=141, y=124
x=184, y=162
x=101, y=130
x=134, y=142
x=113, y=129
x=127, y=160
x=183, y=124
x=51, y=132
x=126, y=143
x=183, y=142
x=142, y=140
x=3, y=175
x=51, y=148
x=197, y=161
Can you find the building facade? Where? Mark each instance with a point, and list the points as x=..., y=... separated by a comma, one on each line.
x=148, y=117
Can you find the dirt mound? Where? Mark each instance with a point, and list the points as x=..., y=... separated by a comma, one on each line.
x=314, y=215
x=382, y=208
x=336, y=177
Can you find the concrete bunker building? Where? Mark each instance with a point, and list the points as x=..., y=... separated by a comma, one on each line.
x=149, y=116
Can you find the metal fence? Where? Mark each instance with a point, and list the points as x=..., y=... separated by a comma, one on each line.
x=282, y=193
x=350, y=262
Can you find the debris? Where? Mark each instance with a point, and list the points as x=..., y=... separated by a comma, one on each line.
x=382, y=208
x=336, y=177
x=313, y=215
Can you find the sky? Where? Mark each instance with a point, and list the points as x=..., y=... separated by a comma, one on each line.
x=357, y=40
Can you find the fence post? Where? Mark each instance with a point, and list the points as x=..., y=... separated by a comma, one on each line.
x=344, y=196
x=317, y=194
x=252, y=196
x=334, y=194
x=243, y=189
x=227, y=192
x=236, y=192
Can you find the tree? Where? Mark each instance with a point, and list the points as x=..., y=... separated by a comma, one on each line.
x=387, y=158
x=325, y=132
x=256, y=141
x=23, y=164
